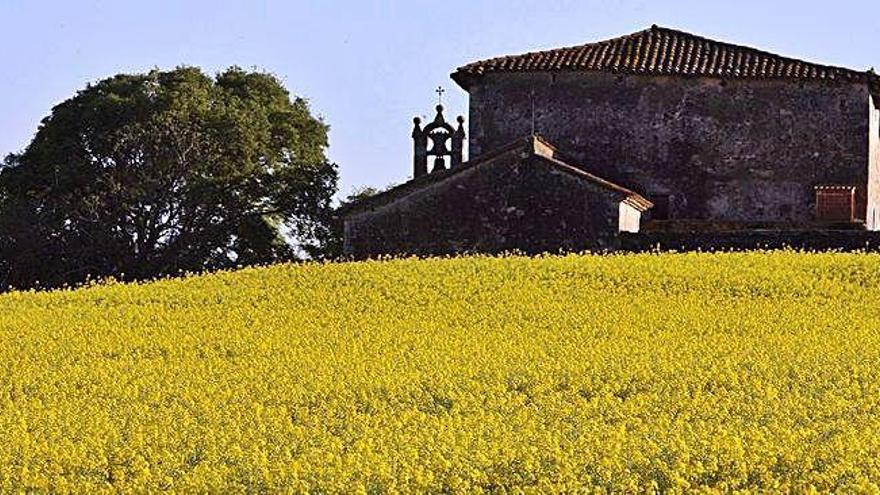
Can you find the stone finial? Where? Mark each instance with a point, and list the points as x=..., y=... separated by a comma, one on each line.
x=458, y=142
x=420, y=149
x=439, y=133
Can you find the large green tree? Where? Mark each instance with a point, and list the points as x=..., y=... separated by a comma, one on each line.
x=147, y=175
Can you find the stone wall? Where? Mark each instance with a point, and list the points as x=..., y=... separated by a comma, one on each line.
x=740, y=150
x=812, y=240
x=507, y=203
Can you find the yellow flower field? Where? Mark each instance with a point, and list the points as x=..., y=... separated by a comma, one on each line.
x=631, y=373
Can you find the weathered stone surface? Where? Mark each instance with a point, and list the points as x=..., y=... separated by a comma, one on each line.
x=729, y=143
x=738, y=150
x=516, y=201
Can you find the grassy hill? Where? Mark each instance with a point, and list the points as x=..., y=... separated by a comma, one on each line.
x=632, y=373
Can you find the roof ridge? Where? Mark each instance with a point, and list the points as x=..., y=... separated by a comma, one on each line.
x=416, y=183
x=661, y=50
x=526, y=143
x=761, y=51
x=561, y=48
x=639, y=200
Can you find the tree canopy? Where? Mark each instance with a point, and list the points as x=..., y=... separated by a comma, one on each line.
x=146, y=175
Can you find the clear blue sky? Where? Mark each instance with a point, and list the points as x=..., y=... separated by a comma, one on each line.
x=369, y=67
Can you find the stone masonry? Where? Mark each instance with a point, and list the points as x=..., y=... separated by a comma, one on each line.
x=735, y=150
x=660, y=129
x=519, y=198
x=721, y=132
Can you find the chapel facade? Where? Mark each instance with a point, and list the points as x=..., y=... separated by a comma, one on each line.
x=660, y=129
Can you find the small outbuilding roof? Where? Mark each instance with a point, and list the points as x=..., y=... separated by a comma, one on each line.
x=531, y=146
x=663, y=51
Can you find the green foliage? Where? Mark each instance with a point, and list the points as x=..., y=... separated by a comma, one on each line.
x=145, y=175
x=331, y=229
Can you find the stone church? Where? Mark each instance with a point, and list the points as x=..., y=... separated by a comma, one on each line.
x=656, y=130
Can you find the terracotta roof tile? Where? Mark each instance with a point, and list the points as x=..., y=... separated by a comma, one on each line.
x=663, y=51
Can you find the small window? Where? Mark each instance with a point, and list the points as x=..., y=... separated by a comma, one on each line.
x=835, y=203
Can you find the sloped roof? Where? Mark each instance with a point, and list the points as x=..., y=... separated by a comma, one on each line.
x=531, y=145
x=663, y=51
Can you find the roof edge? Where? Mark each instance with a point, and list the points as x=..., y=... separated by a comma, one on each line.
x=466, y=75
x=417, y=183
x=532, y=145
x=630, y=197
